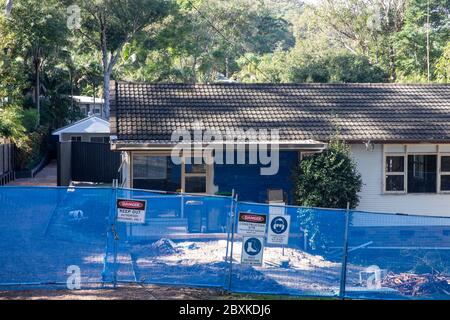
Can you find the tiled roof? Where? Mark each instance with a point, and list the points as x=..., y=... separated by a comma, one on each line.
x=359, y=112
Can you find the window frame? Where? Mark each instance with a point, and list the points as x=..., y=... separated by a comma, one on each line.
x=438, y=153
x=76, y=138
x=208, y=173
x=442, y=173
x=185, y=175
x=404, y=173
x=104, y=139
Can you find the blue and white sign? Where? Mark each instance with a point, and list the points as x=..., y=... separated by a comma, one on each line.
x=278, y=232
x=252, y=251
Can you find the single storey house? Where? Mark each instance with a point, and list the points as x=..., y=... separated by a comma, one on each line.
x=89, y=129
x=399, y=137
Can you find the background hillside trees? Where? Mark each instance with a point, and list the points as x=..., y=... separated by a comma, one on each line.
x=43, y=61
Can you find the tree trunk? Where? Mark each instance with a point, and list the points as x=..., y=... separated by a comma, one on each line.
x=106, y=78
x=71, y=93
x=392, y=64
x=38, y=94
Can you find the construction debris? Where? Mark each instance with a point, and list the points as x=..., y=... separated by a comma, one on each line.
x=415, y=285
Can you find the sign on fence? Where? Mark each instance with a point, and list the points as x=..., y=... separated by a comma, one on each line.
x=278, y=232
x=252, y=251
x=131, y=211
x=252, y=224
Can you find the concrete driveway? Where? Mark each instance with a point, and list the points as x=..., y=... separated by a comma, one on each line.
x=46, y=177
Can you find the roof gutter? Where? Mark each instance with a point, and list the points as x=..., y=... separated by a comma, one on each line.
x=308, y=146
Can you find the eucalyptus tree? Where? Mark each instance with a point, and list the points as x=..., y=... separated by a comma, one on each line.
x=108, y=25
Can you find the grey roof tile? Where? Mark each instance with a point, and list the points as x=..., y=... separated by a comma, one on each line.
x=379, y=112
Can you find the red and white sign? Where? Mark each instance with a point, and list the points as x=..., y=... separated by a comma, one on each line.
x=131, y=211
x=252, y=224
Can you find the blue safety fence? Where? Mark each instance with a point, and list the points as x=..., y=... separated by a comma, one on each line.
x=47, y=235
x=182, y=241
x=304, y=266
x=398, y=256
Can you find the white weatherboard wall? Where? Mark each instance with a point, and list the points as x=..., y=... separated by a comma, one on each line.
x=372, y=198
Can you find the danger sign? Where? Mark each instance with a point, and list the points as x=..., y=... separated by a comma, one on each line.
x=131, y=211
x=252, y=224
x=278, y=232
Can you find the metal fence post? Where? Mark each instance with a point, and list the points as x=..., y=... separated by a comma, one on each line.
x=228, y=225
x=233, y=219
x=115, y=236
x=345, y=254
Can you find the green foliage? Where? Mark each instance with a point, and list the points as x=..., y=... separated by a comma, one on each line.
x=204, y=40
x=289, y=67
x=29, y=119
x=351, y=68
x=32, y=148
x=11, y=123
x=443, y=66
x=411, y=42
x=328, y=179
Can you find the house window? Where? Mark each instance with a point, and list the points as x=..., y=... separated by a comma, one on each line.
x=83, y=110
x=156, y=173
x=417, y=172
x=100, y=139
x=195, y=176
x=96, y=111
x=395, y=173
x=422, y=173
x=445, y=173
x=75, y=138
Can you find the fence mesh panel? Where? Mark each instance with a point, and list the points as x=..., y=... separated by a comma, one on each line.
x=194, y=240
x=304, y=266
x=183, y=240
x=44, y=231
x=397, y=256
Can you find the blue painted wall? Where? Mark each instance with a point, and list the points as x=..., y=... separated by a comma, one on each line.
x=250, y=185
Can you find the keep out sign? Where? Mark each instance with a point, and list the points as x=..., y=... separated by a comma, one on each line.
x=131, y=211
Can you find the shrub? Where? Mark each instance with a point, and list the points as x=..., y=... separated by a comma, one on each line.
x=11, y=123
x=328, y=180
x=31, y=151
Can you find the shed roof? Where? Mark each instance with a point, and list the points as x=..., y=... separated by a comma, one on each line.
x=92, y=124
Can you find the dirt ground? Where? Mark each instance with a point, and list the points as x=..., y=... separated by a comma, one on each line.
x=123, y=292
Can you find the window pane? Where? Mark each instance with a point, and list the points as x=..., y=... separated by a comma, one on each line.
x=445, y=182
x=195, y=166
x=395, y=164
x=422, y=173
x=156, y=173
x=148, y=167
x=445, y=163
x=395, y=183
x=97, y=139
x=195, y=184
